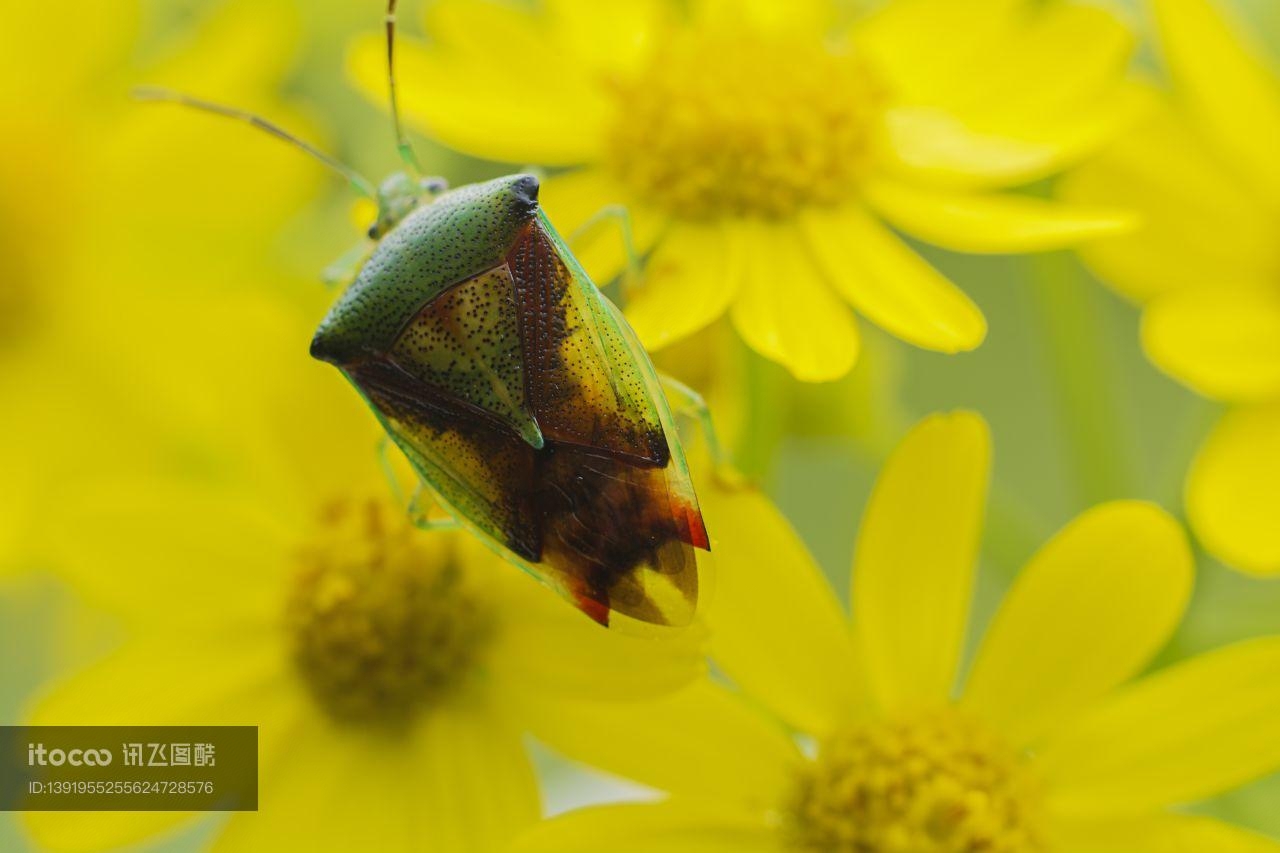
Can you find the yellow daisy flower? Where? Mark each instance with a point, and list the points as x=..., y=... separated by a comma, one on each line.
x=101, y=258
x=847, y=738
x=1205, y=176
x=390, y=671
x=762, y=150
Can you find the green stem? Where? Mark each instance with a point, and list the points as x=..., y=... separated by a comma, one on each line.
x=1012, y=532
x=1084, y=376
x=1195, y=425
x=765, y=386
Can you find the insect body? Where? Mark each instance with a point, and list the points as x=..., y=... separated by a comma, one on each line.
x=523, y=400
x=515, y=388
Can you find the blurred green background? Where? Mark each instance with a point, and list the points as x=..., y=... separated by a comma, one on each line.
x=1077, y=413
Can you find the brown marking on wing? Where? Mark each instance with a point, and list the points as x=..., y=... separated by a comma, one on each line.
x=600, y=528
x=576, y=395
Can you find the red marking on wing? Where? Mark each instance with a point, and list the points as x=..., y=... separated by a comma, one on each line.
x=695, y=527
x=597, y=610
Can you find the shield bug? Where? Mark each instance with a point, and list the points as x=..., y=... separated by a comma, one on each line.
x=519, y=394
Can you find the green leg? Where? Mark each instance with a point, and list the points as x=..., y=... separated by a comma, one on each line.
x=689, y=403
x=423, y=501
x=619, y=214
x=389, y=471
x=345, y=268
x=420, y=507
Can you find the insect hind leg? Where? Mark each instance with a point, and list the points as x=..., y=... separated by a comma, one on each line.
x=689, y=403
x=620, y=215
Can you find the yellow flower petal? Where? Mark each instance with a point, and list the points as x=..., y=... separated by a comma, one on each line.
x=205, y=680
x=803, y=17
x=460, y=781
x=486, y=102
x=311, y=776
x=1225, y=82
x=121, y=545
x=702, y=743
x=777, y=629
x=964, y=149
x=915, y=558
x=786, y=311
x=240, y=182
x=1191, y=731
x=1162, y=834
x=932, y=145
x=291, y=464
x=665, y=827
x=1089, y=611
x=970, y=222
x=886, y=281
x=1223, y=342
x=1233, y=490
x=240, y=45
x=544, y=647
x=1201, y=225
x=919, y=44
x=201, y=678
x=69, y=832
x=573, y=198
x=688, y=283
x=605, y=38
x=92, y=42
x=1059, y=56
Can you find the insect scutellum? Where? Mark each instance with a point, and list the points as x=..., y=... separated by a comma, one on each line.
x=396, y=197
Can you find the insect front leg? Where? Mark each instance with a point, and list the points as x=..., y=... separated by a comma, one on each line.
x=345, y=268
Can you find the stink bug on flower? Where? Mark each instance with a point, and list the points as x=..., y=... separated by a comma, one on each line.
x=518, y=392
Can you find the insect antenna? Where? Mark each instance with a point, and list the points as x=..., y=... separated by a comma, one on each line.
x=158, y=95
x=402, y=141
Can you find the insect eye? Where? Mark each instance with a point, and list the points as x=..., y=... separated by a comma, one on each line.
x=373, y=232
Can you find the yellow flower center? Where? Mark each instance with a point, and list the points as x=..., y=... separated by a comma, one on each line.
x=935, y=783
x=382, y=624
x=724, y=124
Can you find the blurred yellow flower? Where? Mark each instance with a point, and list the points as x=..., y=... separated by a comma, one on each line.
x=852, y=738
x=101, y=250
x=390, y=671
x=760, y=148
x=1205, y=176
x=756, y=408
